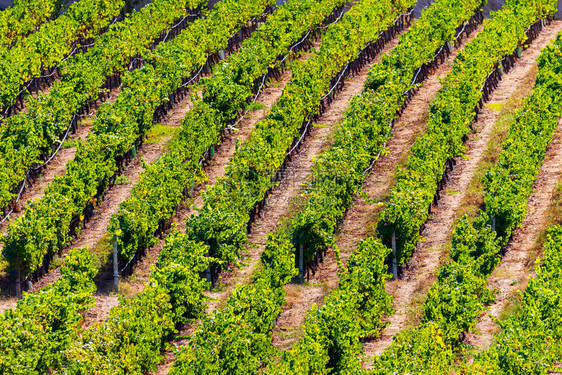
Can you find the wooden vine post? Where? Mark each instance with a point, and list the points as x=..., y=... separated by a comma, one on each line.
x=18, y=284
x=301, y=260
x=115, y=267
x=394, y=259
x=208, y=275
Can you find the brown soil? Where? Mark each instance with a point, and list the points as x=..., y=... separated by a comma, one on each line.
x=512, y=274
x=8, y=303
x=228, y=278
x=56, y=167
x=301, y=298
x=360, y=220
x=101, y=309
x=96, y=231
x=420, y=272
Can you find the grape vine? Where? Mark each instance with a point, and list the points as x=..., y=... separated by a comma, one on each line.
x=43, y=51
x=25, y=17
x=237, y=339
x=474, y=73
x=225, y=96
x=34, y=335
x=460, y=294
x=26, y=139
x=49, y=222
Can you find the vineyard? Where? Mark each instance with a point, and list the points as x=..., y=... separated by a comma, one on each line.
x=269, y=187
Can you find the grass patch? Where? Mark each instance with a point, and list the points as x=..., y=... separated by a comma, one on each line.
x=125, y=289
x=513, y=306
x=554, y=212
x=274, y=83
x=553, y=217
x=415, y=310
x=158, y=132
x=496, y=107
x=58, y=261
x=292, y=334
x=319, y=126
x=122, y=180
x=103, y=250
x=86, y=121
x=255, y=106
x=69, y=143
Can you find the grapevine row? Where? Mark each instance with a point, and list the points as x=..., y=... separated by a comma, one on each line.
x=338, y=173
x=184, y=291
x=232, y=204
x=237, y=339
x=130, y=340
x=530, y=338
x=460, y=294
x=474, y=75
x=49, y=222
x=172, y=296
x=331, y=338
x=27, y=139
x=34, y=335
x=42, y=334
x=330, y=342
x=38, y=55
x=226, y=94
x=23, y=18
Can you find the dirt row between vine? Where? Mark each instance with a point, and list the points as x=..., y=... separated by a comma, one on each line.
x=34, y=191
x=517, y=265
x=410, y=290
x=57, y=166
x=355, y=225
x=216, y=169
x=301, y=297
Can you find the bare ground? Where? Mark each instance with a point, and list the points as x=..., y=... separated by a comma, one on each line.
x=517, y=264
x=216, y=169
x=56, y=167
x=301, y=298
x=420, y=273
x=34, y=191
x=96, y=231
